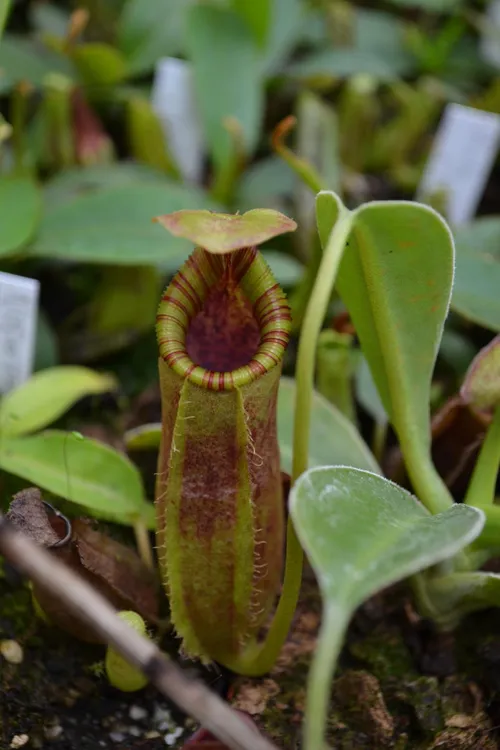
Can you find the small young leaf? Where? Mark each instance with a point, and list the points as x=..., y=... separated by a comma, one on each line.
x=482, y=383
x=334, y=439
x=86, y=472
x=47, y=395
x=465, y=592
x=223, y=233
x=20, y=211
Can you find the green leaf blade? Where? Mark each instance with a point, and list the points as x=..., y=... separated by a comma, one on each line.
x=227, y=77
x=363, y=532
x=81, y=470
x=334, y=439
x=20, y=211
x=47, y=395
x=114, y=225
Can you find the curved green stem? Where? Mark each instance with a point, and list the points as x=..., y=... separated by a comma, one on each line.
x=319, y=684
x=481, y=490
x=259, y=659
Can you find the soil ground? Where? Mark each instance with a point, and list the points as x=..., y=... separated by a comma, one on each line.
x=399, y=685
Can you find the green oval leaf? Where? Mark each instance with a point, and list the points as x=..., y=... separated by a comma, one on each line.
x=362, y=533
x=227, y=77
x=395, y=278
x=333, y=440
x=20, y=211
x=115, y=225
x=78, y=469
x=47, y=395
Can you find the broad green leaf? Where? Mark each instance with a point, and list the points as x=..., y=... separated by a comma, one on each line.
x=333, y=440
x=76, y=181
x=46, y=396
x=227, y=77
x=362, y=532
x=395, y=278
x=377, y=48
x=148, y=31
x=20, y=212
x=223, y=233
x=24, y=59
x=477, y=275
x=288, y=20
x=84, y=471
x=99, y=64
x=257, y=15
x=115, y=225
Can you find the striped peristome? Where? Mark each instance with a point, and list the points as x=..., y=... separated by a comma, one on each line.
x=185, y=296
x=222, y=326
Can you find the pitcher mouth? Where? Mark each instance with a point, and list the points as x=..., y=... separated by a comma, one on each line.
x=223, y=321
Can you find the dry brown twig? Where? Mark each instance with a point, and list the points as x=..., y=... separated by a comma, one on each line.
x=190, y=695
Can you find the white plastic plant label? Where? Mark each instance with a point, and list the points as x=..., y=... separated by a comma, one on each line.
x=18, y=318
x=461, y=159
x=174, y=102
x=490, y=36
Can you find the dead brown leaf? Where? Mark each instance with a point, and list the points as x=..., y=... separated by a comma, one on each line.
x=114, y=569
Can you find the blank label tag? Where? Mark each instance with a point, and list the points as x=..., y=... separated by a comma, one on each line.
x=18, y=317
x=461, y=159
x=174, y=102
